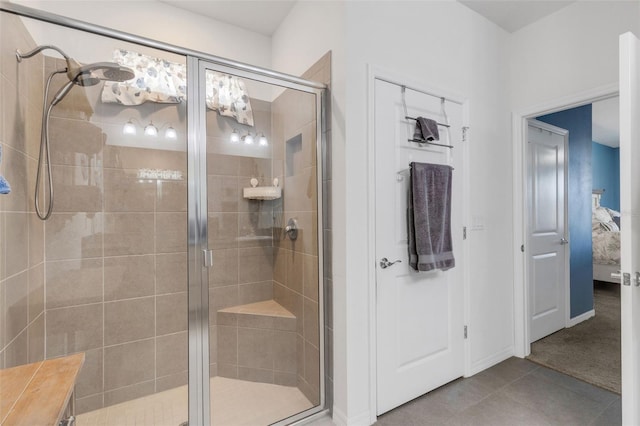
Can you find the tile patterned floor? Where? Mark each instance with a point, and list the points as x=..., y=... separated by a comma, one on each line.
x=233, y=403
x=514, y=392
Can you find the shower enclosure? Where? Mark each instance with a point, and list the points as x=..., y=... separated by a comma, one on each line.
x=184, y=252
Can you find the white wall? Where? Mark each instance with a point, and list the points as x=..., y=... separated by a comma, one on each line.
x=570, y=51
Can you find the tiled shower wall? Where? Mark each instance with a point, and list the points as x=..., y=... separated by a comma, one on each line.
x=239, y=234
x=21, y=232
x=116, y=262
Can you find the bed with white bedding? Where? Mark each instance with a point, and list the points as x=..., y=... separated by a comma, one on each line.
x=606, y=240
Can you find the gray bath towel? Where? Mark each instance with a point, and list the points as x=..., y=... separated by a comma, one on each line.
x=426, y=129
x=429, y=217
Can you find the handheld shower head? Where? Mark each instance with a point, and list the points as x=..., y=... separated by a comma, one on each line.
x=92, y=74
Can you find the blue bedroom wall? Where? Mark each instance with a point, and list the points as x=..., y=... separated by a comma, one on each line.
x=605, y=161
x=578, y=122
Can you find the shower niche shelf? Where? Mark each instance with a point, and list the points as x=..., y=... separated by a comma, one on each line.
x=262, y=192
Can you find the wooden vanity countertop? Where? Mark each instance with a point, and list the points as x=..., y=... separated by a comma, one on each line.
x=38, y=393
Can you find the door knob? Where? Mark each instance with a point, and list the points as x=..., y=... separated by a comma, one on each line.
x=385, y=263
x=564, y=241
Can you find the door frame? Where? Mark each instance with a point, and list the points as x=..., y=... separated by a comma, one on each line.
x=567, y=276
x=374, y=73
x=198, y=244
x=522, y=346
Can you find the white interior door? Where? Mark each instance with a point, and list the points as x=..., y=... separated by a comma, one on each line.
x=420, y=315
x=548, y=245
x=630, y=221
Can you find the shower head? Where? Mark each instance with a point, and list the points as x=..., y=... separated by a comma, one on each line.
x=92, y=74
x=82, y=75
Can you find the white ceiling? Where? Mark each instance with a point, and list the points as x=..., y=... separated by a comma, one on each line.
x=262, y=17
x=512, y=15
x=606, y=122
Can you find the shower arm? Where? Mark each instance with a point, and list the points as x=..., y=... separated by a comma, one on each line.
x=20, y=56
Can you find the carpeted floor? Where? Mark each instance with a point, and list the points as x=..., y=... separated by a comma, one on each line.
x=589, y=351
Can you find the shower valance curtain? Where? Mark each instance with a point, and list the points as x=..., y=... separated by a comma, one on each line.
x=161, y=81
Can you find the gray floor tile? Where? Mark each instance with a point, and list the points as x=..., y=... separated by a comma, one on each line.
x=506, y=372
x=498, y=410
x=612, y=416
x=559, y=404
x=461, y=394
x=577, y=386
x=419, y=412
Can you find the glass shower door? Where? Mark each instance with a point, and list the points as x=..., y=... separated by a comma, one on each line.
x=259, y=173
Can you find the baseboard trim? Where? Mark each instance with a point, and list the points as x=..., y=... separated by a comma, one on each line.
x=491, y=360
x=341, y=419
x=581, y=318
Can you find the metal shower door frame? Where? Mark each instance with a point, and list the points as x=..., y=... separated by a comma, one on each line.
x=199, y=254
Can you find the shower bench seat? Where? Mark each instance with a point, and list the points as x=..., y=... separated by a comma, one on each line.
x=261, y=343
x=267, y=314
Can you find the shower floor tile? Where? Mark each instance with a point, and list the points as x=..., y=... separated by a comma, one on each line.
x=233, y=403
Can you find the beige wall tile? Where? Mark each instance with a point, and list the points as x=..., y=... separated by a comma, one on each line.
x=310, y=277
x=171, y=273
x=220, y=298
x=16, y=305
x=227, y=370
x=256, y=264
x=74, y=142
x=73, y=329
x=225, y=268
x=301, y=190
x=3, y=320
x=227, y=346
x=291, y=300
x=16, y=352
x=128, y=393
x=285, y=355
x=90, y=377
x=77, y=189
x=14, y=108
x=17, y=245
x=73, y=236
x=255, y=292
x=129, y=276
x=255, y=348
x=89, y=403
x=128, y=234
x=171, y=354
x=223, y=230
x=173, y=381
x=280, y=265
x=128, y=320
x=312, y=366
x=227, y=318
x=171, y=232
x=328, y=302
x=73, y=282
x=223, y=194
x=284, y=379
x=36, y=240
x=128, y=364
x=255, y=374
x=255, y=229
x=218, y=164
x=171, y=313
x=35, y=334
x=124, y=192
x=172, y=196
x=311, y=327
x=36, y=291
x=295, y=268
x=251, y=167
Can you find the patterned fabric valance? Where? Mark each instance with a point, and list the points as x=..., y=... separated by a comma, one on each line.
x=161, y=81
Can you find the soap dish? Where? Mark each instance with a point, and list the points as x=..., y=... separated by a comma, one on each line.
x=262, y=193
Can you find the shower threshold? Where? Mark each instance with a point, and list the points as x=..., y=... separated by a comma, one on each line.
x=233, y=403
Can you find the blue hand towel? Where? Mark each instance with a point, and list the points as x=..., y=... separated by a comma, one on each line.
x=5, y=188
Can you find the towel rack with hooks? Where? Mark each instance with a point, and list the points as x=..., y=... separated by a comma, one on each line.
x=439, y=124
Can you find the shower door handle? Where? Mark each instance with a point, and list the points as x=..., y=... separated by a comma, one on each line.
x=207, y=256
